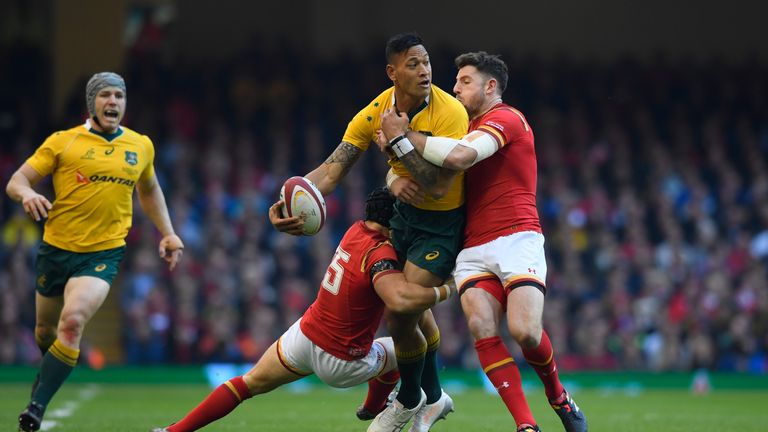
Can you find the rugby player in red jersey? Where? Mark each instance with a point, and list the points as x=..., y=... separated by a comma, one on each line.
x=334, y=339
x=502, y=267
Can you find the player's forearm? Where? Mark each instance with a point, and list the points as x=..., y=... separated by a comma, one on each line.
x=18, y=186
x=460, y=158
x=424, y=172
x=154, y=206
x=416, y=298
x=335, y=168
x=324, y=182
x=432, y=177
x=460, y=154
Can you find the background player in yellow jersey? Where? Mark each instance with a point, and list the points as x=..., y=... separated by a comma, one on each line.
x=425, y=233
x=95, y=167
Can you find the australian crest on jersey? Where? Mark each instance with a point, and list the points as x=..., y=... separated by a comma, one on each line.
x=105, y=159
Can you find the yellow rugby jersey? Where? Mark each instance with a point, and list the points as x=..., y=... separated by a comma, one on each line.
x=93, y=180
x=442, y=116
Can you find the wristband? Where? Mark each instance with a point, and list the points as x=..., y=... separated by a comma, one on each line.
x=396, y=139
x=437, y=295
x=391, y=177
x=401, y=146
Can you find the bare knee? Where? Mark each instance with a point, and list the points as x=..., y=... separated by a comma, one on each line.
x=428, y=325
x=256, y=385
x=402, y=325
x=527, y=335
x=45, y=334
x=482, y=327
x=71, y=328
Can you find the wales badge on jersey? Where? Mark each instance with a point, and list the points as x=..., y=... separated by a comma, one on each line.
x=131, y=158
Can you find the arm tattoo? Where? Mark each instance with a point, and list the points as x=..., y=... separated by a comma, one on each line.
x=345, y=155
x=383, y=265
x=423, y=171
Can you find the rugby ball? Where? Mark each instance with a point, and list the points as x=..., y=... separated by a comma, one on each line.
x=303, y=200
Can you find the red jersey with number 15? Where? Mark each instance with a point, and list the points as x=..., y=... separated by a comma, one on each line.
x=346, y=314
x=501, y=190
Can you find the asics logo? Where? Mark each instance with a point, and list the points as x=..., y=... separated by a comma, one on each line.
x=432, y=255
x=100, y=267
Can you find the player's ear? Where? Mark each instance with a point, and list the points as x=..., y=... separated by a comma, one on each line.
x=490, y=85
x=391, y=72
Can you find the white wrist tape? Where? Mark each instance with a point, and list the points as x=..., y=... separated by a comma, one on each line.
x=438, y=148
x=439, y=293
x=401, y=146
x=391, y=177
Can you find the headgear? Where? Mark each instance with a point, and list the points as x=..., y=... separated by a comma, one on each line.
x=379, y=206
x=96, y=83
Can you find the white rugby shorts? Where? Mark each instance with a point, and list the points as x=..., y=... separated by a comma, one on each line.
x=301, y=356
x=513, y=260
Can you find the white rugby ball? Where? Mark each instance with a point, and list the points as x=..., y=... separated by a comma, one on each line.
x=303, y=200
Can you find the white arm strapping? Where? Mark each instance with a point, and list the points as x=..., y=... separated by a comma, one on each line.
x=437, y=149
x=485, y=146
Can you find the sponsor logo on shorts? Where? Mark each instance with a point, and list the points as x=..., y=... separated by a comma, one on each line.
x=432, y=255
x=100, y=267
x=41, y=281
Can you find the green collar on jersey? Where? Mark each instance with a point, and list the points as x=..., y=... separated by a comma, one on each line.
x=107, y=136
x=418, y=109
x=415, y=111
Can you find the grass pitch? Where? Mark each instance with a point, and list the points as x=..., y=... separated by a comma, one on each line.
x=121, y=407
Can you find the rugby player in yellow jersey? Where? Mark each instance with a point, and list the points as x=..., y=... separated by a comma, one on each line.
x=426, y=228
x=95, y=167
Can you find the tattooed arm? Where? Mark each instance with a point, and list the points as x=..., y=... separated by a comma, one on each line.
x=338, y=164
x=325, y=177
x=435, y=179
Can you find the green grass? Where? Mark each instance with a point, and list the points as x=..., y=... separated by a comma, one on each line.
x=121, y=407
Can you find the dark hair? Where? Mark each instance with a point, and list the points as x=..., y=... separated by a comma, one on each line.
x=489, y=64
x=379, y=206
x=400, y=43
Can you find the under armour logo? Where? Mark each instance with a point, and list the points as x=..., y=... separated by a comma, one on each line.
x=503, y=385
x=530, y=270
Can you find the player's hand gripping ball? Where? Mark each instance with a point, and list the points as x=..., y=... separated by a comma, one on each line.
x=303, y=200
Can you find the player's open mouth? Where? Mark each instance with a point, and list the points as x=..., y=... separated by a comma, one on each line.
x=111, y=114
x=424, y=83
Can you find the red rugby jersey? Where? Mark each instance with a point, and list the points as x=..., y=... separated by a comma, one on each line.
x=346, y=314
x=501, y=190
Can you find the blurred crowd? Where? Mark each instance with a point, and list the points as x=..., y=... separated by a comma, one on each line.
x=653, y=195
